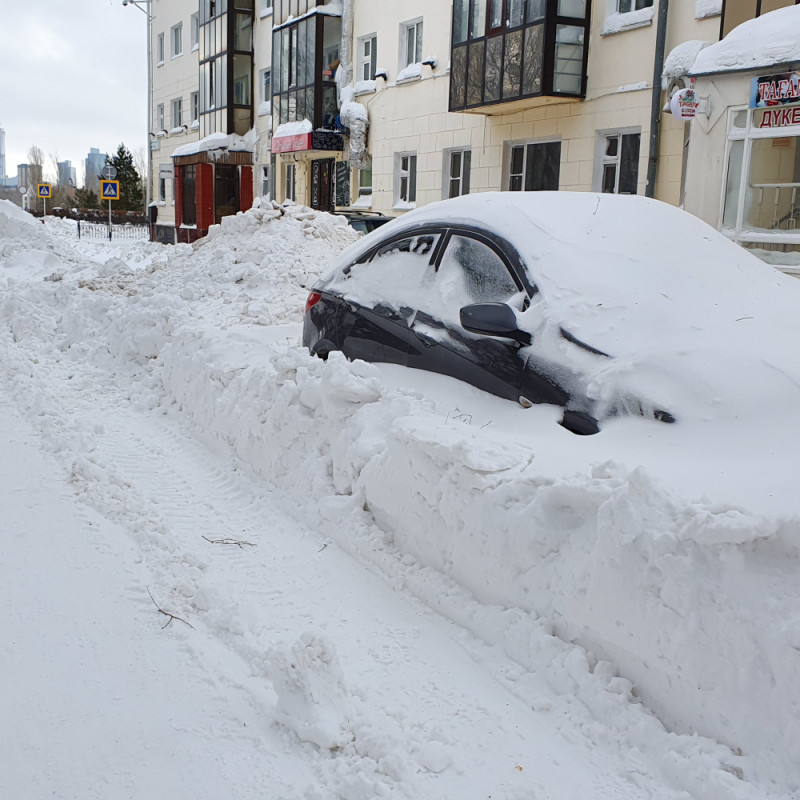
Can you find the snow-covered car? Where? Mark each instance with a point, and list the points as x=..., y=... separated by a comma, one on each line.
x=603, y=304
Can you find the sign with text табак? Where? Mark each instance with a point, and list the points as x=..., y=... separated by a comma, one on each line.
x=109, y=190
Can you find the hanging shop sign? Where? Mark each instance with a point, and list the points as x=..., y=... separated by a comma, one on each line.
x=684, y=103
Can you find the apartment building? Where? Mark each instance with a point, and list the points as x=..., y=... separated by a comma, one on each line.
x=380, y=105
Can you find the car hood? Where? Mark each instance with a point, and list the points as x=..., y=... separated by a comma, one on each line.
x=693, y=322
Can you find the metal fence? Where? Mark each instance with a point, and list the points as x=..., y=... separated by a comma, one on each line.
x=97, y=230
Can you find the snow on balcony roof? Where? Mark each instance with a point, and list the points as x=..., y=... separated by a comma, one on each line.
x=219, y=141
x=332, y=9
x=765, y=41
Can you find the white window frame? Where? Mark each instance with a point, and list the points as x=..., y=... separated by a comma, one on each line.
x=411, y=33
x=194, y=25
x=266, y=184
x=160, y=49
x=465, y=170
x=160, y=126
x=194, y=106
x=264, y=8
x=162, y=191
x=367, y=57
x=290, y=183
x=602, y=160
x=265, y=97
x=405, y=180
x=507, y=160
x=176, y=40
x=176, y=112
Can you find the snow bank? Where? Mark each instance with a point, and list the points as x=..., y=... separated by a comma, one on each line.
x=693, y=599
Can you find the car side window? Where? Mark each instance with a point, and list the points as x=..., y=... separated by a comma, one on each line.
x=469, y=272
x=396, y=276
x=421, y=245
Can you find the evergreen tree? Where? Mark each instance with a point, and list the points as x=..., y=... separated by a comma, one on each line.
x=130, y=186
x=86, y=198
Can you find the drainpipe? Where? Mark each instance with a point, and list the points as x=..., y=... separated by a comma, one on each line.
x=655, y=108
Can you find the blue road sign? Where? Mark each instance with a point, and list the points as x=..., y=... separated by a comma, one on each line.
x=109, y=190
x=44, y=190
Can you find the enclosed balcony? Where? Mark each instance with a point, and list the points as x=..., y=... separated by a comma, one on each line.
x=508, y=55
x=305, y=57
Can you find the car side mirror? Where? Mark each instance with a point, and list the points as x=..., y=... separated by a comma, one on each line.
x=493, y=319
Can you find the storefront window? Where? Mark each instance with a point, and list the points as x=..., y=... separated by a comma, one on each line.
x=761, y=209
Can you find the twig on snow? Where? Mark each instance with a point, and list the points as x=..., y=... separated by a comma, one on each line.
x=240, y=543
x=167, y=614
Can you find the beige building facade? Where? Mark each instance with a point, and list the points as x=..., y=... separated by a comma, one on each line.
x=380, y=107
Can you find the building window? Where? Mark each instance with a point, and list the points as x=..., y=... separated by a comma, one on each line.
x=194, y=106
x=289, y=190
x=624, y=6
x=265, y=7
x=406, y=184
x=160, y=118
x=411, y=43
x=162, y=190
x=266, y=85
x=368, y=49
x=533, y=166
x=457, y=169
x=176, y=38
x=160, y=48
x=177, y=112
x=265, y=187
x=194, y=22
x=619, y=163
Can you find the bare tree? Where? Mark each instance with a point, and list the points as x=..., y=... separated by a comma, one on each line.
x=35, y=172
x=140, y=162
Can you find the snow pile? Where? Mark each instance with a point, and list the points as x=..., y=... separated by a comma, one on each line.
x=768, y=40
x=492, y=515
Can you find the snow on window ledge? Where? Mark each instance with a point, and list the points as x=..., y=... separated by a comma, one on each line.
x=176, y=130
x=413, y=72
x=703, y=9
x=195, y=125
x=617, y=23
x=364, y=87
x=265, y=12
x=264, y=109
x=363, y=201
x=403, y=205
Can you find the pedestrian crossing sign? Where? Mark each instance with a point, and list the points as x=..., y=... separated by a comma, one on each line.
x=44, y=190
x=109, y=190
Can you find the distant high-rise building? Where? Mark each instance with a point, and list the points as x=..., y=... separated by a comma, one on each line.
x=95, y=161
x=66, y=173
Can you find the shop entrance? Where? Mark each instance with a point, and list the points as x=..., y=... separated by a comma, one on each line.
x=322, y=184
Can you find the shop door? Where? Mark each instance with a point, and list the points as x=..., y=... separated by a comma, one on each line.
x=226, y=191
x=322, y=184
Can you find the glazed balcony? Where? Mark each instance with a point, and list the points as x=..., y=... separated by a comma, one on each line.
x=509, y=55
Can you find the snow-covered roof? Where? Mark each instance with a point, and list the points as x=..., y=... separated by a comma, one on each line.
x=681, y=59
x=765, y=41
x=219, y=141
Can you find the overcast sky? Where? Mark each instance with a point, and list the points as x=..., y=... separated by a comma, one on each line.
x=73, y=75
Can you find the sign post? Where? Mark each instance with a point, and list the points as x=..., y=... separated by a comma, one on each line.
x=109, y=190
x=44, y=190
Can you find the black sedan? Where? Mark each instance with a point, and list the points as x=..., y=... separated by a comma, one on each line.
x=488, y=290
